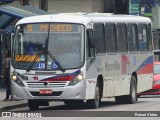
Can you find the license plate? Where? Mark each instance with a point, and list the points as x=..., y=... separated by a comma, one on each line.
x=45, y=91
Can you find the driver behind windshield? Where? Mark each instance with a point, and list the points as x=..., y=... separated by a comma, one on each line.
x=32, y=46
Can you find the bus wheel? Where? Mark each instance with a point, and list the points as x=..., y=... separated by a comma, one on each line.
x=33, y=105
x=132, y=97
x=94, y=103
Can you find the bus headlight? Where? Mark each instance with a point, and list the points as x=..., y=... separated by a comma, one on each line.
x=80, y=77
x=76, y=79
x=14, y=77
x=17, y=80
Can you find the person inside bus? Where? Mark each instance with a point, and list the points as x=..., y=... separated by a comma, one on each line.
x=32, y=46
x=6, y=74
x=140, y=42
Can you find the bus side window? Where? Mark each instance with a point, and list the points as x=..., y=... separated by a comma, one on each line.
x=132, y=37
x=142, y=37
x=122, y=37
x=90, y=46
x=110, y=38
x=149, y=35
x=99, y=38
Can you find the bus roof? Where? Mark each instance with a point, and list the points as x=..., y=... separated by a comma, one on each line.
x=85, y=18
x=56, y=18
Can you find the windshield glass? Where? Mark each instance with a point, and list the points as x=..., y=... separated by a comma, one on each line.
x=63, y=42
x=156, y=68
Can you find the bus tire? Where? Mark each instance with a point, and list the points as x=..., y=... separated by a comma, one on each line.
x=94, y=103
x=132, y=97
x=33, y=105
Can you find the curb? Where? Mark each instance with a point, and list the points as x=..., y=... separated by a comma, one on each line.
x=14, y=106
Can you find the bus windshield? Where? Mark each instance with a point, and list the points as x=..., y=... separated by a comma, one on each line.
x=64, y=42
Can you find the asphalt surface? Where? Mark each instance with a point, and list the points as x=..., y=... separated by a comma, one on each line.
x=7, y=105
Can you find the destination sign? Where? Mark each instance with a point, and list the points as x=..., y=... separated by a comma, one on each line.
x=52, y=27
x=26, y=58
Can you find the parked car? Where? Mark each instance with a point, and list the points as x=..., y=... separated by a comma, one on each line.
x=156, y=82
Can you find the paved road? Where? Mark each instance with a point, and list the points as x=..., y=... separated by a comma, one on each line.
x=108, y=108
x=143, y=104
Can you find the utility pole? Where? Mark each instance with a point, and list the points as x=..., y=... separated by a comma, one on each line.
x=43, y=4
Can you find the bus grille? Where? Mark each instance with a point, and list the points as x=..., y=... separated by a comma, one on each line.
x=50, y=84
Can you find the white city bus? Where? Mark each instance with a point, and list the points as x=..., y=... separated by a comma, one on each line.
x=81, y=58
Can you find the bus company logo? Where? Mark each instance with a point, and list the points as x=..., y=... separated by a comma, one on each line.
x=35, y=77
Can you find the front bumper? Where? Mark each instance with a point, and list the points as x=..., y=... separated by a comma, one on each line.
x=76, y=92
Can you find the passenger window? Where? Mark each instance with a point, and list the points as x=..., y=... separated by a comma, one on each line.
x=132, y=37
x=110, y=38
x=142, y=37
x=122, y=38
x=99, y=38
x=150, y=46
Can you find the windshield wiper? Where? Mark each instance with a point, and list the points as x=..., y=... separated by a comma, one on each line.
x=52, y=57
x=48, y=53
x=34, y=60
x=45, y=51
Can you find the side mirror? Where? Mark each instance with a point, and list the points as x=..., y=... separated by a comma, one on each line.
x=91, y=41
